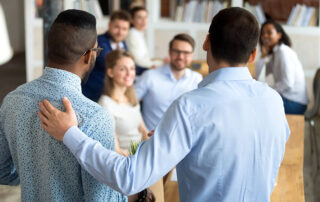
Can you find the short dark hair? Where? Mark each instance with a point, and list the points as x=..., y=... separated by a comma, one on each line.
x=183, y=37
x=284, y=37
x=234, y=34
x=136, y=9
x=72, y=33
x=120, y=15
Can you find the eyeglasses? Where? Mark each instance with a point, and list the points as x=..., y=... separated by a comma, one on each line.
x=98, y=50
x=177, y=52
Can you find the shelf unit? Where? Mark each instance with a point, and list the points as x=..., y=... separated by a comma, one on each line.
x=306, y=40
x=34, y=38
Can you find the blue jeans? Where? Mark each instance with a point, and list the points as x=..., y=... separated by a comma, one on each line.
x=291, y=107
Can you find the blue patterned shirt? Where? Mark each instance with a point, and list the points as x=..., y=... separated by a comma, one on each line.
x=46, y=168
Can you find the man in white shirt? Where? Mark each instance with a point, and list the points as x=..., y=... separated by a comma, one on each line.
x=227, y=137
x=158, y=88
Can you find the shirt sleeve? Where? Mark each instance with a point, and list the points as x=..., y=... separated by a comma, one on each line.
x=286, y=67
x=142, y=85
x=136, y=47
x=171, y=142
x=260, y=64
x=8, y=172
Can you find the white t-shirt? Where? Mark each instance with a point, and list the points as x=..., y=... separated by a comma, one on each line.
x=126, y=119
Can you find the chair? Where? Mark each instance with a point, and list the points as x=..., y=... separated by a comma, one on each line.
x=313, y=114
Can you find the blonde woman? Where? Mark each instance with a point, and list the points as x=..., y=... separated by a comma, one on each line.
x=120, y=100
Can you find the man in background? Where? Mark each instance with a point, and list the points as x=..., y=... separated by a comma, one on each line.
x=118, y=29
x=158, y=88
x=45, y=168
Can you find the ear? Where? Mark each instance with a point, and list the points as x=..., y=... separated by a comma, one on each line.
x=206, y=43
x=253, y=56
x=87, y=57
x=109, y=72
x=109, y=25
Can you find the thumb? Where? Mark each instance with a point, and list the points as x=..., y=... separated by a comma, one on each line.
x=67, y=105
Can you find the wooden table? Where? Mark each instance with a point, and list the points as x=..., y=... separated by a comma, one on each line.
x=289, y=186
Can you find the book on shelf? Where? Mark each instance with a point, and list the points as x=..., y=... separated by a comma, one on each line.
x=200, y=11
x=302, y=15
x=257, y=11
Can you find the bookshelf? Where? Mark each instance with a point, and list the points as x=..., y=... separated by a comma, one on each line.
x=34, y=37
x=306, y=40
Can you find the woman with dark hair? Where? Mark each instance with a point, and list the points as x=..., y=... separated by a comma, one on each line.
x=283, y=63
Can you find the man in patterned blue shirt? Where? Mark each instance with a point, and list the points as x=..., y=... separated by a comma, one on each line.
x=45, y=168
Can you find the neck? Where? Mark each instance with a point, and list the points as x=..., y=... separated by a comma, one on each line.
x=118, y=93
x=178, y=74
x=68, y=68
x=222, y=64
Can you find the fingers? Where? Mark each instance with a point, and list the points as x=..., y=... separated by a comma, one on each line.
x=49, y=107
x=67, y=105
x=43, y=118
x=44, y=110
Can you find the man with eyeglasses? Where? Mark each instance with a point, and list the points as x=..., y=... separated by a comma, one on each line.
x=45, y=168
x=118, y=29
x=158, y=88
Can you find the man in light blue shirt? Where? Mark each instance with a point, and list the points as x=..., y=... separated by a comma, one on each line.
x=158, y=88
x=227, y=137
x=45, y=168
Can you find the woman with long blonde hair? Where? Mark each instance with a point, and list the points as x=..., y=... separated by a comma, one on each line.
x=120, y=100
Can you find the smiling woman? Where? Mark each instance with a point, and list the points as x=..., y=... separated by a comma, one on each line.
x=120, y=100
x=283, y=63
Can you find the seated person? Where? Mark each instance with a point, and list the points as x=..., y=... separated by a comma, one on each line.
x=136, y=41
x=282, y=62
x=120, y=100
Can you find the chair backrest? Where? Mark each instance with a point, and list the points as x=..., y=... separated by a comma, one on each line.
x=316, y=91
x=315, y=111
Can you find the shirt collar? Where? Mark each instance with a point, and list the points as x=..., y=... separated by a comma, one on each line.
x=168, y=71
x=62, y=77
x=114, y=45
x=226, y=74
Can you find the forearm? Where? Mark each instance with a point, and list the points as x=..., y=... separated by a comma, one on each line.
x=126, y=175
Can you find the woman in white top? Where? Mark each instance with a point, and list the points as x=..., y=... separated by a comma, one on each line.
x=120, y=100
x=282, y=62
x=136, y=40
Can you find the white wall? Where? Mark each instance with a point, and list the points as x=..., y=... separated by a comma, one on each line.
x=14, y=12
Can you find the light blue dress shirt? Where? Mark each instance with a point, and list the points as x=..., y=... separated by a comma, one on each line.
x=47, y=169
x=227, y=139
x=158, y=88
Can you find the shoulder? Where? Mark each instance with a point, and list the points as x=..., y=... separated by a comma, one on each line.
x=286, y=51
x=195, y=74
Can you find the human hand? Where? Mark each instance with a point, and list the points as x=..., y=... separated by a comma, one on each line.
x=265, y=51
x=56, y=122
x=150, y=133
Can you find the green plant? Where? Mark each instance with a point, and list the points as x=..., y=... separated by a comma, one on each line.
x=133, y=147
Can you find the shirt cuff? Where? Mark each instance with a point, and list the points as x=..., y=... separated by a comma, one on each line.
x=73, y=138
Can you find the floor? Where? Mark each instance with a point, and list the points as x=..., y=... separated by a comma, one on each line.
x=13, y=74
